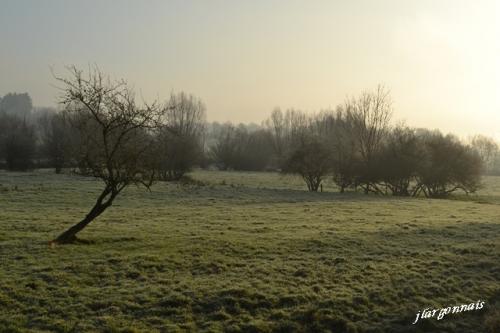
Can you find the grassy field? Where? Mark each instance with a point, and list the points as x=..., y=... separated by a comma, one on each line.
x=244, y=252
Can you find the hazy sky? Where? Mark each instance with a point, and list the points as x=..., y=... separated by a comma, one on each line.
x=439, y=58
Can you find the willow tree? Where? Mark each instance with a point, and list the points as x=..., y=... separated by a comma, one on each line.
x=113, y=137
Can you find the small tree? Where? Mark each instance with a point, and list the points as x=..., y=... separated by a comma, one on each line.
x=311, y=160
x=115, y=141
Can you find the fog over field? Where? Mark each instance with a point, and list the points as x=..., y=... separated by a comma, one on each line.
x=439, y=58
x=259, y=166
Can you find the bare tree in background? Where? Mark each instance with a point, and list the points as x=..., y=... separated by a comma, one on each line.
x=370, y=115
x=287, y=130
x=487, y=149
x=345, y=157
x=180, y=140
x=277, y=127
x=114, y=137
x=224, y=151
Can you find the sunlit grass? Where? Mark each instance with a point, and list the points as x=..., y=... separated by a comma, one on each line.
x=244, y=252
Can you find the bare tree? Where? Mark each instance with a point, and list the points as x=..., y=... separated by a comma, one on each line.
x=114, y=137
x=345, y=157
x=487, y=149
x=287, y=130
x=181, y=138
x=370, y=116
x=277, y=127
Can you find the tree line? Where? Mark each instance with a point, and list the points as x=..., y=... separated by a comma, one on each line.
x=356, y=144
x=102, y=131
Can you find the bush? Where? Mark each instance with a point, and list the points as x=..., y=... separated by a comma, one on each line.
x=311, y=160
x=399, y=161
x=447, y=166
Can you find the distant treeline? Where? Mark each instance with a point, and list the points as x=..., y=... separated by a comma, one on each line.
x=356, y=144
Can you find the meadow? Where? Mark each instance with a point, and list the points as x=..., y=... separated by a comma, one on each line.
x=244, y=252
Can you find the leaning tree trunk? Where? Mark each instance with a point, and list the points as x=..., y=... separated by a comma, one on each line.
x=69, y=236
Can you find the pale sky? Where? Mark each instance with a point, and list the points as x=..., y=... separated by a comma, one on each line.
x=439, y=58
